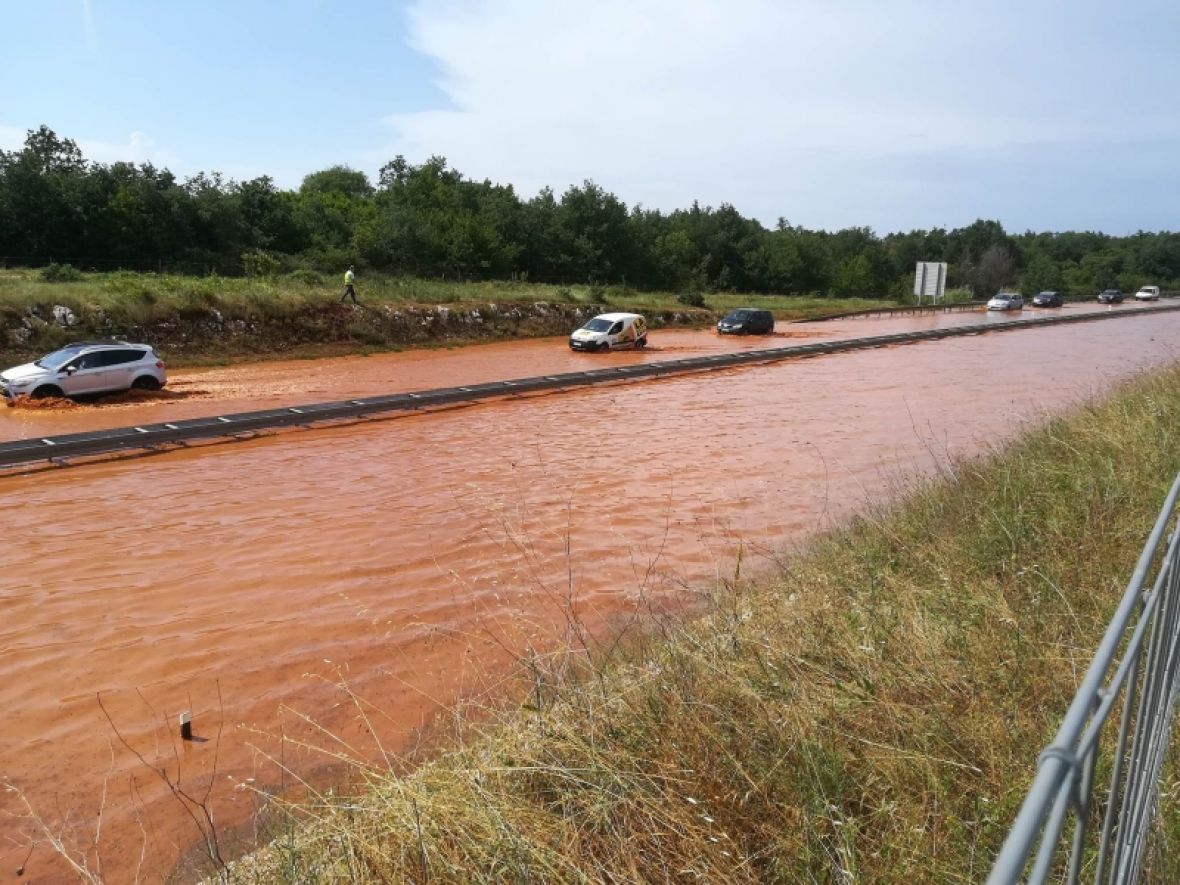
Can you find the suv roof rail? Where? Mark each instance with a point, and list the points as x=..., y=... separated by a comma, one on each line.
x=104, y=341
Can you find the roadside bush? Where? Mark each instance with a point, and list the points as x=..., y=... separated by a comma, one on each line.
x=598, y=294
x=307, y=277
x=692, y=298
x=61, y=273
x=330, y=259
x=125, y=282
x=260, y=264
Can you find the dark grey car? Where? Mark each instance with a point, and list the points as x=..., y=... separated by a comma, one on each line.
x=747, y=321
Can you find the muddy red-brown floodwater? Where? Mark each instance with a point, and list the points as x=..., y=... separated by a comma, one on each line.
x=367, y=577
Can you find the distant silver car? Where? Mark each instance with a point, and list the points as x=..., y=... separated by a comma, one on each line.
x=86, y=367
x=1006, y=301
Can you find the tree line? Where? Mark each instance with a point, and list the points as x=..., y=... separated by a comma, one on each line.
x=429, y=220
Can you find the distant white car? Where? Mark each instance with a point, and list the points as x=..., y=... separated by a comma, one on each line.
x=1006, y=301
x=1148, y=293
x=86, y=367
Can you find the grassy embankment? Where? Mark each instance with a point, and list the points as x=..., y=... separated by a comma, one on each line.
x=873, y=714
x=203, y=319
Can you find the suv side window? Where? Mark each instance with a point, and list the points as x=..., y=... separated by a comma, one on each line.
x=119, y=357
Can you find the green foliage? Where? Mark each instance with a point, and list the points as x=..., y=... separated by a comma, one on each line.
x=260, y=264
x=691, y=298
x=307, y=277
x=430, y=220
x=60, y=273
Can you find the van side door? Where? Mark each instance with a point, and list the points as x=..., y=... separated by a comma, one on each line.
x=615, y=335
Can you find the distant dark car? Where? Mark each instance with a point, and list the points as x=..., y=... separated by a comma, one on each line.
x=746, y=321
x=1047, y=299
x=1110, y=296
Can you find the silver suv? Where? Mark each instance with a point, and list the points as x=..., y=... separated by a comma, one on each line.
x=86, y=367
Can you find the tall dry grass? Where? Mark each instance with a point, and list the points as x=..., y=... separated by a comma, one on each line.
x=871, y=715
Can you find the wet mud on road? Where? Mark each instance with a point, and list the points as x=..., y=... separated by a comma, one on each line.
x=408, y=559
x=274, y=384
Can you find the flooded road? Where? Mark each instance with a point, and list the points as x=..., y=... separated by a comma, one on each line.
x=409, y=558
x=201, y=392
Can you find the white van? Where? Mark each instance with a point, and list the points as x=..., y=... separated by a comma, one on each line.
x=1148, y=293
x=611, y=331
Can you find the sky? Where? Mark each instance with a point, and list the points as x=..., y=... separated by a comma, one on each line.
x=892, y=114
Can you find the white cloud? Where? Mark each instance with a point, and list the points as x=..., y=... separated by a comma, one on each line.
x=139, y=148
x=782, y=107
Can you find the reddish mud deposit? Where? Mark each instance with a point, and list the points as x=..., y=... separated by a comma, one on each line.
x=201, y=392
x=408, y=559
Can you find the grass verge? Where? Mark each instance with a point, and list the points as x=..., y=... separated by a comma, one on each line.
x=871, y=714
x=145, y=296
x=202, y=320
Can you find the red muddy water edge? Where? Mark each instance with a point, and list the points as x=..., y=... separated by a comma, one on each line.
x=369, y=576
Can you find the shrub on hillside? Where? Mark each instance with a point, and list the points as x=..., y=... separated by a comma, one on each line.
x=60, y=273
x=260, y=264
x=307, y=277
x=691, y=298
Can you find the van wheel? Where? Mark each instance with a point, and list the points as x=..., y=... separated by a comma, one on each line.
x=603, y=347
x=47, y=391
x=641, y=343
x=145, y=382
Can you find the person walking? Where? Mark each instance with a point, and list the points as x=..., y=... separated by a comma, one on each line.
x=349, y=291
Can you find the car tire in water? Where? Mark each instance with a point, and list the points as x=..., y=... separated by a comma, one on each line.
x=145, y=382
x=604, y=347
x=47, y=391
x=641, y=343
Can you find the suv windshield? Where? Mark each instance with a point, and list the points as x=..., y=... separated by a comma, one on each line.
x=736, y=316
x=58, y=357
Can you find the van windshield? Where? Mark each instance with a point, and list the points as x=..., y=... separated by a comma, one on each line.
x=597, y=325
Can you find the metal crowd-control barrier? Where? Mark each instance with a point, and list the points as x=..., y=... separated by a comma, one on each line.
x=156, y=436
x=1135, y=665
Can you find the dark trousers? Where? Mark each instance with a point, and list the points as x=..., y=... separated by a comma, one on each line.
x=349, y=292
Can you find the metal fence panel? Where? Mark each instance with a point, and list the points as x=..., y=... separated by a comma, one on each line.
x=1136, y=664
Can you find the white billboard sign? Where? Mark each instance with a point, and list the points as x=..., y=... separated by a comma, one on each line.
x=930, y=281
